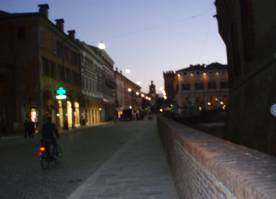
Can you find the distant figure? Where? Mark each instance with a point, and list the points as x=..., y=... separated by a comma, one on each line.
x=82, y=121
x=116, y=116
x=26, y=128
x=65, y=125
x=31, y=129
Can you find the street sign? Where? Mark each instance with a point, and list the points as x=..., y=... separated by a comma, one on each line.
x=61, y=93
x=273, y=110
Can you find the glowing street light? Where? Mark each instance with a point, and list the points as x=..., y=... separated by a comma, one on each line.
x=137, y=93
x=101, y=45
x=129, y=90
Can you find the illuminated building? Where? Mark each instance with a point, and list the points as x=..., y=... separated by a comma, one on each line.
x=92, y=86
x=37, y=58
x=201, y=87
x=128, y=93
x=106, y=83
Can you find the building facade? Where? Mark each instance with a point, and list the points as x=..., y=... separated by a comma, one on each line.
x=248, y=30
x=92, y=86
x=202, y=87
x=37, y=58
x=128, y=93
x=107, y=82
x=170, y=82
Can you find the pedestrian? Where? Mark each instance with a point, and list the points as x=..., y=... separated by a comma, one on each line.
x=31, y=129
x=65, y=124
x=26, y=128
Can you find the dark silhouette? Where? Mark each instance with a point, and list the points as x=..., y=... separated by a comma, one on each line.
x=50, y=134
x=29, y=128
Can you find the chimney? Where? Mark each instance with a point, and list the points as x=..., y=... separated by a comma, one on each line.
x=43, y=9
x=60, y=24
x=71, y=34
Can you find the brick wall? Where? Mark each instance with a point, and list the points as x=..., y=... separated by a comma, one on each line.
x=206, y=167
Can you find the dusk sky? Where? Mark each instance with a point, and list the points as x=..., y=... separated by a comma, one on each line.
x=146, y=36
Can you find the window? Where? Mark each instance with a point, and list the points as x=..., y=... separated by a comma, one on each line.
x=186, y=87
x=70, y=76
x=223, y=85
x=74, y=58
x=76, y=78
x=45, y=67
x=85, y=84
x=212, y=85
x=21, y=33
x=66, y=53
x=52, y=69
x=61, y=73
x=59, y=49
x=199, y=86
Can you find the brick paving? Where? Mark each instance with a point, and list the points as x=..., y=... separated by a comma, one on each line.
x=137, y=171
x=124, y=159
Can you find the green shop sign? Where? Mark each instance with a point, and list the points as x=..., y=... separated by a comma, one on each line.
x=61, y=93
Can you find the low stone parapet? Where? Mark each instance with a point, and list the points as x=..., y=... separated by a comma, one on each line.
x=206, y=167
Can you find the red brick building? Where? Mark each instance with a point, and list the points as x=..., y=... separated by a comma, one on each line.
x=248, y=29
x=170, y=82
x=36, y=58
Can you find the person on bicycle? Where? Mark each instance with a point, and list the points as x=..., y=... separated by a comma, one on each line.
x=50, y=134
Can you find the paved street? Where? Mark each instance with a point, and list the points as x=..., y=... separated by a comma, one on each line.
x=119, y=160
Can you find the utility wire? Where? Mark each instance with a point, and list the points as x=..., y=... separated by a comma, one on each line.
x=155, y=27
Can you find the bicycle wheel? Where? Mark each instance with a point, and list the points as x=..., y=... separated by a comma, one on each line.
x=44, y=163
x=59, y=151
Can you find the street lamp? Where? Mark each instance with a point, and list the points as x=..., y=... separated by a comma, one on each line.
x=101, y=45
x=128, y=71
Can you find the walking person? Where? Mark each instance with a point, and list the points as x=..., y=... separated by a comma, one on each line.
x=26, y=128
x=31, y=129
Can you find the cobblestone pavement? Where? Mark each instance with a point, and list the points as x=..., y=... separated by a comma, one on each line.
x=122, y=160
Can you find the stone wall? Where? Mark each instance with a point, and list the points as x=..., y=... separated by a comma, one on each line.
x=206, y=167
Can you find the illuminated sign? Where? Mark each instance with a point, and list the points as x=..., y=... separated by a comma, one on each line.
x=61, y=93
